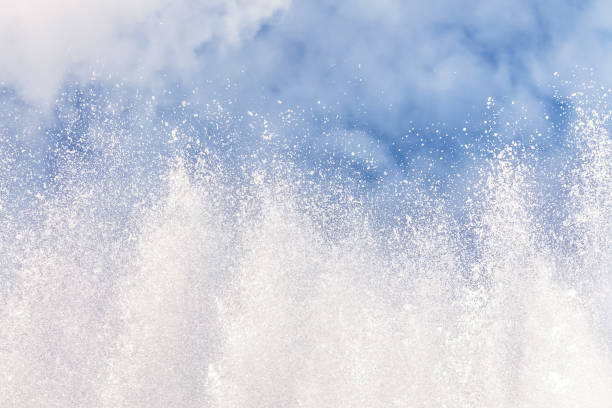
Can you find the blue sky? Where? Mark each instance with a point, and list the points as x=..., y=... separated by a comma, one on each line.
x=386, y=86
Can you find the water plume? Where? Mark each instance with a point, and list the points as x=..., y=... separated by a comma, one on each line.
x=211, y=285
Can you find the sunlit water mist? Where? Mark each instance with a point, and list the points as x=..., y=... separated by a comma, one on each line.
x=277, y=288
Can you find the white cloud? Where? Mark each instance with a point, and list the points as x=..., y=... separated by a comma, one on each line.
x=43, y=41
